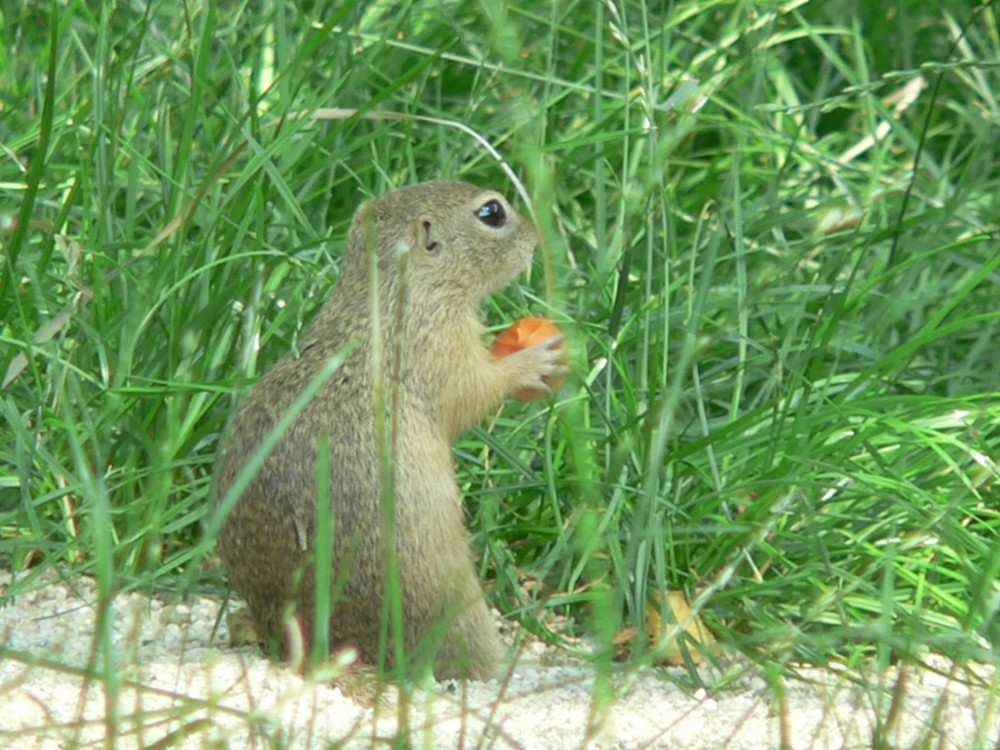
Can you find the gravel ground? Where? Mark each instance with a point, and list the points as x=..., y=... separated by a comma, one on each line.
x=178, y=689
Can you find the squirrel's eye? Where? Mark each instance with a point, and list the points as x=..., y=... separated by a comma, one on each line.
x=492, y=214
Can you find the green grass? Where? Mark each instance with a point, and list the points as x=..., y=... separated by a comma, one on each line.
x=786, y=388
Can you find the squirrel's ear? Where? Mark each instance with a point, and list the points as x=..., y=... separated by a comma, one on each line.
x=430, y=243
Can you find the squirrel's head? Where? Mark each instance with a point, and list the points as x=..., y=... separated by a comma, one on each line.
x=452, y=240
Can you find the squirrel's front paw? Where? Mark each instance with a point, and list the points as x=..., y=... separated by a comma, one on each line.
x=538, y=370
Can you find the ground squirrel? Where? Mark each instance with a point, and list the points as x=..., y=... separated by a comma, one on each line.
x=442, y=247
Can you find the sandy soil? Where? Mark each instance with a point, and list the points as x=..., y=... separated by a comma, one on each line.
x=177, y=687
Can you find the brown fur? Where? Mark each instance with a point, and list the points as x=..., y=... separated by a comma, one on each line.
x=437, y=261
